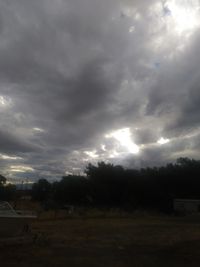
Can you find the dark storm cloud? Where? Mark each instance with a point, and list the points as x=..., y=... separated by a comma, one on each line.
x=177, y=93
x=41, y=92
x=145, y=136
x=73, y=71
x=9, y=143
x=159, y=155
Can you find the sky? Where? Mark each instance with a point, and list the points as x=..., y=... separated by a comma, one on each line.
x=88, y=80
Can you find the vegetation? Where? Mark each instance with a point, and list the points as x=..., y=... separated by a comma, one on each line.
x=113, y=237
x=109, y=186
x=7, y=191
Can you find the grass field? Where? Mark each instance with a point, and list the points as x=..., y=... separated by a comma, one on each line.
x=139, y=240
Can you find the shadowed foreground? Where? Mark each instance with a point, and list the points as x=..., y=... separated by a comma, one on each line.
x=136, y=241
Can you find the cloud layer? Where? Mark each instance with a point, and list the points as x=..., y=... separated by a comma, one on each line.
x=71, y=72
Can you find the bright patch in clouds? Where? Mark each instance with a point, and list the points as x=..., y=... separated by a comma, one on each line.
x=163, y=141
x=38, y=129
x=6, y=157
x=173, y=23
x=103, y=147
x=131, y=29
x=123, y=136
x=114, y=154
x=21, y=168
x=4, y=101
x=91, y=154
x=185, y=14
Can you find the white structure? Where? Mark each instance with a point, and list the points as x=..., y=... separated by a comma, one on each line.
x=186, y=206
x=13, y=223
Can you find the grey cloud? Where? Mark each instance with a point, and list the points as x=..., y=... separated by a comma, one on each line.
x=9, y=143
x=73, y=69
x=145, y=136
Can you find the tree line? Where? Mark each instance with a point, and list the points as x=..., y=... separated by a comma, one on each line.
x=7, y=190
x=108, y=186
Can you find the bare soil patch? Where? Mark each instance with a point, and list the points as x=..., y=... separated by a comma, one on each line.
x=99, y=242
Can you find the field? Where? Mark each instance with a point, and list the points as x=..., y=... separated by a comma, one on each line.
x=120, y=241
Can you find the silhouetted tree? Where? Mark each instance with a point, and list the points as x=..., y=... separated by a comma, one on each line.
x=2, y=180
x=7, y=191
x=106, y=185
x=41, y=190
x=72, y=189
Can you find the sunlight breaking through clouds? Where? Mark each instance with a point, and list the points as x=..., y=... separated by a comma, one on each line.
x=37, y=129
x=4, y=101
x=123, y=136
x=21, y=168
x=185, y=15
x=173, y=25
x=91, y=154
x=163, y=141
x=113, y=154
x=6, y=157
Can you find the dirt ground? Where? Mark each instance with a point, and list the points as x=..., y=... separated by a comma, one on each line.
x=99, y=242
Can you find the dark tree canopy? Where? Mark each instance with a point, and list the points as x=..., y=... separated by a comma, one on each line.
x=2, y=180
x=7, y=191
x=71, y=189
x=106, y=185
x=41, y=190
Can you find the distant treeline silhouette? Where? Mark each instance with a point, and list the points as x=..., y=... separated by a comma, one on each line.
x=109, y=186
x=7, y=190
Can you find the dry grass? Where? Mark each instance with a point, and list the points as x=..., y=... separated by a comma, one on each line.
x=140, y=240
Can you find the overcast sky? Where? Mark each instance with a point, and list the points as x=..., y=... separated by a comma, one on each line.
x=89, y=80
